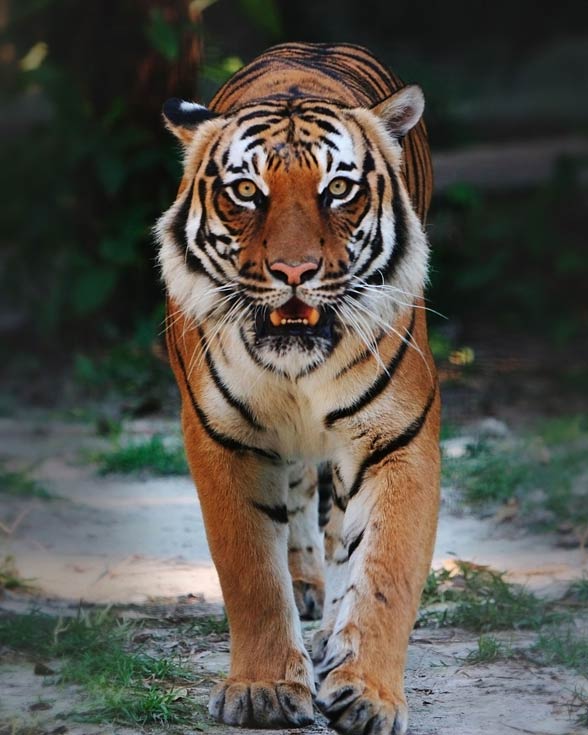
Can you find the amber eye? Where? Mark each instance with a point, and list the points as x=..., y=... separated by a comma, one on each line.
x=245, y=189
x=339, y=187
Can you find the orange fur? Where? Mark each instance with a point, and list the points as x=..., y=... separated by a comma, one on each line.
x=250, y=410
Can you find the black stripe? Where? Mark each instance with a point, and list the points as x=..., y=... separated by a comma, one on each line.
x=378, y=385
x=225, y=441
x=276, y=513
x=362, y=357
x=354, y=544
x=232, y=400
x=400, y=441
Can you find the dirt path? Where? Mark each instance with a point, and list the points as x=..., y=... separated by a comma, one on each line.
x=121, y=540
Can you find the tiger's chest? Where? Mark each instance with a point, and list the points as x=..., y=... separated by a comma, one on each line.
x=269, y=410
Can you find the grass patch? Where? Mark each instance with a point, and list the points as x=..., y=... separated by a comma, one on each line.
x=20, y=485
x=480, y=599
x=578, y=707
x=152, y=456
x=209, y=626
x=562, y=647
x=578, y=591
x=488, y=649
x=127, y=687
x=10, y=578
x=543, y=471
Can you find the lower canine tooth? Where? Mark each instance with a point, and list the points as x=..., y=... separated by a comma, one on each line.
x=283, y=322
x=313, y=317
x=275, y=319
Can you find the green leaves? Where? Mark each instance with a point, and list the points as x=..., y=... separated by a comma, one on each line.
x=163, y=36
x=264, y=14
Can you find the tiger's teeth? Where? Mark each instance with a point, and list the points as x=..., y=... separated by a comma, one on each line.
x=313, y=318
x=275, y=318
x=280, y=321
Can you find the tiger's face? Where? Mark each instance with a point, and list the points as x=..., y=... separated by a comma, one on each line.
x=293, y=224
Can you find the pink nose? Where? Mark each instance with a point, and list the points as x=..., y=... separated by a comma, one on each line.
x=293, y=274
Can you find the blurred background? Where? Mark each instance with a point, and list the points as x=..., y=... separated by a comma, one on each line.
x=96, y=504
x=87, y=168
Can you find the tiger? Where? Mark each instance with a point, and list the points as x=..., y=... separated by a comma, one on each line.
x=295, y=259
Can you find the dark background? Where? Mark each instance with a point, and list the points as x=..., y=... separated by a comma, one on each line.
x=87, y=168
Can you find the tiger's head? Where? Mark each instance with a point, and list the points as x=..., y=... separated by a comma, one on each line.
x=293, y=224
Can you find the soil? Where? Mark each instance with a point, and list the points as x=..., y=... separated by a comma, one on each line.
x=139, y=543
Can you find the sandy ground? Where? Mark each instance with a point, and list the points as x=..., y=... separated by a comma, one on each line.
x=121, y=540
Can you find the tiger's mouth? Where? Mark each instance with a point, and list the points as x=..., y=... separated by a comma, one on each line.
x=294, y=319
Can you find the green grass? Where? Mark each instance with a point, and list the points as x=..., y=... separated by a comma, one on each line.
x=152, y=456
x=20, y=485
x=578, y=707
x=125, y=686
x=564, y=647
x=209, y=626
x=10, y=578
x=488, y=649
x=578, y=590
x=480, y=599
x=542, y=470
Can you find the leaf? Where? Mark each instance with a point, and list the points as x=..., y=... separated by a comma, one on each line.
x=264, y=14
x=162, y=35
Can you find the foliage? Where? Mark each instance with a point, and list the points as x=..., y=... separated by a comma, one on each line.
x=124, y=687
x=153, y=456
x=567, y=647
x=212, y=625
x=480, y=599
x=578, y=590
x=488, y=649
x=21, y=485
x=10, y=578
x=89, y=163
x=545, y=468
x=516, y=256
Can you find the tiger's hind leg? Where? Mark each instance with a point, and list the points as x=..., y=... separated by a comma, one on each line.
x=305, y=541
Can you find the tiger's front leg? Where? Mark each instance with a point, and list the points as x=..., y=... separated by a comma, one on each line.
x=243, y=499
x=389, y=530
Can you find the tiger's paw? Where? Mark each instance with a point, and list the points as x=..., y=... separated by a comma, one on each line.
x=309, y=597
x=353, y=707
x=264, y=704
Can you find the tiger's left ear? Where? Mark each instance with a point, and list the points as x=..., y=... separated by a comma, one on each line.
x=182, y=118
x=401, y=111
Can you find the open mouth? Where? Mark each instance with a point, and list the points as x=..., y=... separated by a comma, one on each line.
x=294, y=319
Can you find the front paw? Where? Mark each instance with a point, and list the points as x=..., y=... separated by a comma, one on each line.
x=309, y=597
x=270, y=704
x=356, y=707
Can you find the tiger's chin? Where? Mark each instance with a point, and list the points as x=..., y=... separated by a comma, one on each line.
x=295, y=338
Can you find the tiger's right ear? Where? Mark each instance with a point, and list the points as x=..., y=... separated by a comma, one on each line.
x=182, y=118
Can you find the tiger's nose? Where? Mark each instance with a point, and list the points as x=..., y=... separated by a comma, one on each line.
x=293, y=274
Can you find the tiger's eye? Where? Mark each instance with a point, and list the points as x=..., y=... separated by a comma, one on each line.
x=339, y=187
x=245, y=189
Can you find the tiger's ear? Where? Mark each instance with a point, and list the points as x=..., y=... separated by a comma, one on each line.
x=182, y=118
x=401, y=111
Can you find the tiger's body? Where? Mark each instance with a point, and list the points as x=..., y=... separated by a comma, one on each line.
x=295, y=259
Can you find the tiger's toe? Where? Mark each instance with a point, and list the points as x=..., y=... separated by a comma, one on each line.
x=262, y=704
x=355, y=708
